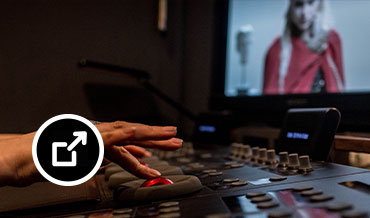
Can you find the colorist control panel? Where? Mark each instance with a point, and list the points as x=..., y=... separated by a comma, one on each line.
x=233, y=181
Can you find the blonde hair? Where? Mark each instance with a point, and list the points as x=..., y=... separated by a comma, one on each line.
x=315, y=38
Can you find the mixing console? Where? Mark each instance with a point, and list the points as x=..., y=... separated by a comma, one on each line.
x=235, y=181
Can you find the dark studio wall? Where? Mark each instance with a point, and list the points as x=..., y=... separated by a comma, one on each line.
x=43, y=40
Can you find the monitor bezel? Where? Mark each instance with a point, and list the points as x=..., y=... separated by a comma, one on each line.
x=270, y=109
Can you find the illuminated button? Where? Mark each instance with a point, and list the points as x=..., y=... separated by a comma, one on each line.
x=239, y=183
x=302, y=188
x=355, y=214
x=169, y=204
x=311, y=193
x=255, y=194
x=280, y=214
x=230, y=180
x=261, y=199
x=169, y=209
x=156, y=181
x=321, y=198
x=339, y=206
x=276, y=179
x=215, y=174
x=266, y=205
x=122, y=211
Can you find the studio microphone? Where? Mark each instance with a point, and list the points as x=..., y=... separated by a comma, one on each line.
x=243, y=39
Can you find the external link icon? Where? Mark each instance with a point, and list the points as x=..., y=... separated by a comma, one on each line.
x=81, y=137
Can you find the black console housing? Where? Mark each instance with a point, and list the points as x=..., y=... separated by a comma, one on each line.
x=309, y=131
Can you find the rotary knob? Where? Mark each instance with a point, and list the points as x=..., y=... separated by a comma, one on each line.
x=293, y=161
x=262, y=155
x=246, y=152
x=283, y=159
x=235, y=150
x=305, y=164
x=255, y=153
x=271, y=156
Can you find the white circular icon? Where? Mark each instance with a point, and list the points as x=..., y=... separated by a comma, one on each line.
x=67, y=165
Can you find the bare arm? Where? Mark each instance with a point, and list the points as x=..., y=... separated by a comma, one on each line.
x=17, y=167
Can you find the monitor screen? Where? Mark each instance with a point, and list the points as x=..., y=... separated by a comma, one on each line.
x=273, y=55
x=280, y=47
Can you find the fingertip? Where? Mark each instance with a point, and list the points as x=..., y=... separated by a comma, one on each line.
x=176, y=143
x=154, y=173
x=147, y=154
x=170, y=129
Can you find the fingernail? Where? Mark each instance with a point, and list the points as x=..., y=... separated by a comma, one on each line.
x=177, y=141
x=170, y=128
x=155, y=173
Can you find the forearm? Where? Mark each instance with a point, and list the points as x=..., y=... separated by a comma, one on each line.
x=16, y=163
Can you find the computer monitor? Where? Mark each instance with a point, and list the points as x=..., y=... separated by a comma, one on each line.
x=272, y=55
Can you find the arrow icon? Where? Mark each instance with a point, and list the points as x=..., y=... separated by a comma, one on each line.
x=81, y=137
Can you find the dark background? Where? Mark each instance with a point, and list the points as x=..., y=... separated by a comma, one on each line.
x=42, y=41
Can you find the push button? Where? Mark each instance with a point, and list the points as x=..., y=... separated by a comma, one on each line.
x=266, y=205
x=280, y=214
x=215, y=174
x=261, y=199
x=239, y=183
x=122, y=211
x=321, y=198
x=311, y=193
x=339, y=206
x=230, y=180
x=169, y=209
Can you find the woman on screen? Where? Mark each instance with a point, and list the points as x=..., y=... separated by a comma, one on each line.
x=307, y=58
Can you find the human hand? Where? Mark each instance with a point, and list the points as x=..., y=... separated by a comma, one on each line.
x=121, y=141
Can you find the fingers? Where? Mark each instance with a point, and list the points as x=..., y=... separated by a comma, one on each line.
x=121, y=141
x=118, y=136
x=123, y=158
x=155, y=132
x=138, y=136
x=138, y=151
x=166, y=145
x=144, y=132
